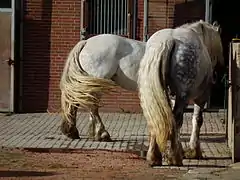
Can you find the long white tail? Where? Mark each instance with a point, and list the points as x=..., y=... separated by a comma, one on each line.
x=153, y=91
x=77, y=87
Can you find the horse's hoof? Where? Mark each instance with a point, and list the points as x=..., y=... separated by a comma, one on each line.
x=154, y=158
x=74, y=135
x=155, y=163
x=192, y=154
x=104, y=137
x=69, y=131
x=178, y=163
x=171, y=161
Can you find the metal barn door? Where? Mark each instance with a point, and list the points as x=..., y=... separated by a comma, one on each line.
x=107, y=17
x=6, y=55
x=233, y=125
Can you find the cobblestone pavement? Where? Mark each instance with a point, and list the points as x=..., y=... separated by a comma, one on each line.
x=128, y=131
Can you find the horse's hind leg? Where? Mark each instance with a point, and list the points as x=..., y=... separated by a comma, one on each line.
x=194, y=150
x=97, y=129
x=176, y=151
x=154, y=155
x=68, y=126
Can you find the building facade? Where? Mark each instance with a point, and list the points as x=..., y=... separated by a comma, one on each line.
x=45, y=31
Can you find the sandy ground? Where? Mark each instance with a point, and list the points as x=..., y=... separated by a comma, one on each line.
x=78, y=164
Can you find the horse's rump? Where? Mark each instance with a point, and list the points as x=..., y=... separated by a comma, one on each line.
x=77, y=87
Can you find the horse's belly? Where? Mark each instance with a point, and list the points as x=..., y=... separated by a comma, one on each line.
x=126, y=82
x=126, y=76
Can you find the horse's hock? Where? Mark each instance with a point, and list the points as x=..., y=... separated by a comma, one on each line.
x=234, y=100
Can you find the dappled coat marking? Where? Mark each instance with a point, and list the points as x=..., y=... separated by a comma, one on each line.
x=186, y=63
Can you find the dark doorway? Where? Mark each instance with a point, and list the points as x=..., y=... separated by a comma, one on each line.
x=227, y=15
x=188, y=11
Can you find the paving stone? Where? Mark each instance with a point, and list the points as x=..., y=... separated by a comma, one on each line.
x=94, y=145
x=80, y=144
x=129, y=132
x=235, y=166
x=102, y=145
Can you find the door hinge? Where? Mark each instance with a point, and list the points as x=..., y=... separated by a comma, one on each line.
x=10, y=61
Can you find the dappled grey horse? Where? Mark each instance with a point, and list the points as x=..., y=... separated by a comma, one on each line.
x=181, y=61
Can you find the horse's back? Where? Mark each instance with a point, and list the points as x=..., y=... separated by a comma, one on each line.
x=100, y=56
x=108, y=55
x=160, y=35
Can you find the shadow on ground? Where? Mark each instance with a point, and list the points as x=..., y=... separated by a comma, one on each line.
x=10, y=173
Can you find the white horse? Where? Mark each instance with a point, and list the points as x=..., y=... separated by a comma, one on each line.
x=181, y=61
x=94, y=67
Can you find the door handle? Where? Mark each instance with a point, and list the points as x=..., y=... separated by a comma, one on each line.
x=10, y=61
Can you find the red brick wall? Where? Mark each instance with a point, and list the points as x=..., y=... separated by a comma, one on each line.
x=160, y=15
x=36, y=56
x=51, y=29
x=140, y=17
x=172, y=13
